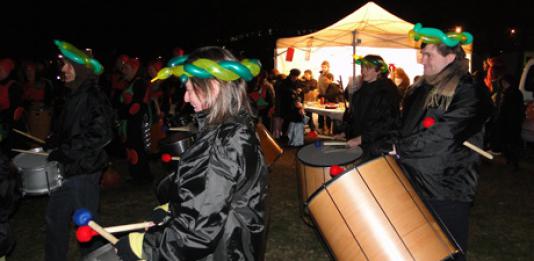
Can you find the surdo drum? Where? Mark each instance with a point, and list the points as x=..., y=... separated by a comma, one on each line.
x=372, y=212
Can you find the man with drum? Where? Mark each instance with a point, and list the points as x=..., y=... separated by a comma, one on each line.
x=443, y=109
x=373, y=114
x=78, y=140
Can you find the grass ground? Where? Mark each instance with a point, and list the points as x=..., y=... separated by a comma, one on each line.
x=502, y=217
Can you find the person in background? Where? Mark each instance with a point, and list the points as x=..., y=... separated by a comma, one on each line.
x=322, y=85
x=285, y=101
x=444, y=108
x=135, y=121
x=308, y=85
x=374, y=110
x=401, y=80
x=217, y=205
x=263, y=98
x=332, y=94
x=504, y=128
x=37, y=89
x=78, y=143
x=11, y=109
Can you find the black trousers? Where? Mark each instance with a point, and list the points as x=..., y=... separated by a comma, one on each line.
x=455, y=216
x=76, y=192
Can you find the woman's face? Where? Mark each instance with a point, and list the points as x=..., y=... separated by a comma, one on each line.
x=196, y=100
x=199, y=100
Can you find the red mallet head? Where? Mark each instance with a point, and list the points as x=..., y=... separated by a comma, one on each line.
x=166, y=157
x=85, y=234
x=428, y=122
x=336, y=170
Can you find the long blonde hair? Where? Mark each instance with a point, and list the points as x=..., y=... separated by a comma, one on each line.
x=232, y=96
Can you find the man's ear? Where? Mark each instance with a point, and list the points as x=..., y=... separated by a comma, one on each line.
x=450, y=57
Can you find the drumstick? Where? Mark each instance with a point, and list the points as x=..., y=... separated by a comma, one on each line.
x=86, y=233
x=83, y=217
x=180, y=129
x=478, y=150
x=130, y=227
x=45, y=154
x=335, y=143
x=329, y=137
x=29, y=136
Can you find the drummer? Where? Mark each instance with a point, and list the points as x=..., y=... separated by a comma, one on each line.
x=444, y=108
x=82, y=131
x=374, y=109
x=217, y=207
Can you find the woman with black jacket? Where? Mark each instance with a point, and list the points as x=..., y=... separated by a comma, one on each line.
x=216, y=209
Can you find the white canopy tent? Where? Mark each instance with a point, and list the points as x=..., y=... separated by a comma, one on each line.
x=369, y=30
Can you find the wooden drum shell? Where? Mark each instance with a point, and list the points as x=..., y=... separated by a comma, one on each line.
x=372, y=212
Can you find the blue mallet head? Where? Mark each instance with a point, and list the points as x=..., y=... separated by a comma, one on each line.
x=82, y=217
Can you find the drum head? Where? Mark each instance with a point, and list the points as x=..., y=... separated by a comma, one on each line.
x=30, y=161
x=325, y=156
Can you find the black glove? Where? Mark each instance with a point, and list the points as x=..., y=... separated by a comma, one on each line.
x=51, y=142
x=56, y=155
x=124, y=251
x=48, y=146
x=158, y=216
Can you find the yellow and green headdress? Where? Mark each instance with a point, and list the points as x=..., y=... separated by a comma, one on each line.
x=377, y=63
x=436, y=36
x=205, y=68
x=74, y=54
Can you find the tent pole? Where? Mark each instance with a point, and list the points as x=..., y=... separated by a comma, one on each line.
x=353, y=54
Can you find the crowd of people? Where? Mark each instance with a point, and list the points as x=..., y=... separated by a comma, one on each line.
x=217, y=201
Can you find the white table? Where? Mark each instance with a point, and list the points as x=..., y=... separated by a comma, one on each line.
x=336, y=114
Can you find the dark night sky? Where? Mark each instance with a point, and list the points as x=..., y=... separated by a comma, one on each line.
x=149, y=28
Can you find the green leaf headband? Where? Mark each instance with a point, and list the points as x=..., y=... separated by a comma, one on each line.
x=362, y=61
x=206, y=68
x=74, y=54
x=436, y=36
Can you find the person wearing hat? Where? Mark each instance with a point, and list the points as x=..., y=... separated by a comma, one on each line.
x=216, y=208
x=441, y=111
x=78, y=139
x=374, y=109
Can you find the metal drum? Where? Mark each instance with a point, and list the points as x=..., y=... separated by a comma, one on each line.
x=177, y=143
x=38, y=175
x=103, y=253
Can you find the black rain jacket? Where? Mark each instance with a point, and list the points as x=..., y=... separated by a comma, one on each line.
x=217, y=209
x=83, y=130
x=441, y=167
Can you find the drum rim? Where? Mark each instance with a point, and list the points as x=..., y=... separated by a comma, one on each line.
x=189, y=136
x=18, y=157
x=326, y=166
x=333, y=179
x=324, y=186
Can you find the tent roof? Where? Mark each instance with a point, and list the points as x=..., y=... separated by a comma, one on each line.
x=374, y=27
